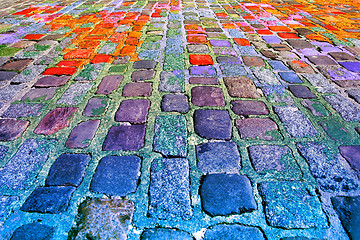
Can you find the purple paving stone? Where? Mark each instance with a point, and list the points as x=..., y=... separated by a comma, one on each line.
x=207, y=96
x=33, y=231
x=125, y=138
x=290, y=77
x=352, y=155
x=138, y=89
x=300, y=91
x=68, y=170
x=109, y=84
x=262, y=128
x=53, y=200
x=204, y=80
x=338, y=73
x=82, y=134
x=23, y=110
x=142, y=75
x=342, y=56
x=144, y=64
x=271, y=39
x=203, y=70
x=17, y=65
x=39, y=94
x=312, y=53
x=246, y=108
x=220, y=43
x=7, y=75
x=11, y=129
x=225, y=194
x=95, y=107
x=321, y=60
x=175, y=103
x=213, y=124
x=116, y=175
x=351, y=66
x=233, y=232
x=227, y=59
x=133, y=111
x=52, y=81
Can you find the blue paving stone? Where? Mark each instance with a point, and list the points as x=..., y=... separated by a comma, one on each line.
x=48, y=200
x=271, y=39
x=175, y=103
x=164, y=234
x=233, y=232
x=3, y=151
x=149, y=54
x=351, y=66
x=232, y=70
x=68, y=170
x=292, y=205
x=6, y=203
x=213, y=124
x=290, y=77
x=346, y=108
x=299, y=238
x=33, y=231
x=174, y=50
x=225, y=194
x=116, y=175
x=203, y=70
x=218, y=157
x=278, y=65
x=23, y=110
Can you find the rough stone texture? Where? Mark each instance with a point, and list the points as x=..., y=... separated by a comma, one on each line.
x=207, y=96
x=175, y=103
x=225, y=194
x=321, y=60
x=52, y=81
x=82, y=134
x=117, y=176
x=96, y=107
x=29, y=74
x=39, y=94
x=23, y=110
x=290, y=77
x=295, y=122
x=48, y=200
x=218, y=157
x=265, y=77
x=352, y=155
x=11, y=129
x=109, y=84
x=253, y=61
x=133, y=111
x=169, y=82
x=315, y=107
x=75, y=93
x=322, y=84
x=301, y=91
x=171, y=136
x=337, y=130
x=292, y=205
x=125, y=138
x=253, y=128
x=7, y=75
x=90, y=72
x=139, y=89
x=241, y=87
x=144, y=64
x=17, y=65
x=169, y=189
x=142, y=75
x=355, y=94
x=301, y=67
x=299, y=44
x=3, y=151
x=328, y=167
x=6, y=203
x=213, y=124
x=233, y=232
x=342, y=56
x=103, y=219
x=164, y=234
x=33, y=231
x=246, y=108
x=10, y=91
x=346, y=108
x=204, y=80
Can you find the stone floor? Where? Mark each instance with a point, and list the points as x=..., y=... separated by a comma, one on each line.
x=171, y=119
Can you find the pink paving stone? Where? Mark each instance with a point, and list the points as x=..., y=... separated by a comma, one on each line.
x=55, y=120
x=125, y=138
x=11, y=129
x=246, y=108
x=204, y=80
x=207, y=96
x=82, y=134
x=109, y=84
x=52, y=81
x=256, y=128
x=137, y=89
x=133, y=111
x=253, y=61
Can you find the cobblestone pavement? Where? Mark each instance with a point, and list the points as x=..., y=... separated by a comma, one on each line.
x=170, y=119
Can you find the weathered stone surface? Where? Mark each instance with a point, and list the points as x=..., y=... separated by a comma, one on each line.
x=17, y=65
x=139, y=89
x=48, y=200
x=96, y=107
x=11, y=129
x=198, y=48
x=328, y=167
x=292, y=205
x=121, y=60
x=342, y=56
x=301, y=67
x=278, y=65
x=301, y=91
x=39, y=94
x=315, y=107
x=225, y=194
x=204, y=80
x=354, y=93
x=10, y=91
x=164, y=234
x=55, y=120
x=116, y=176
x=352, y=155
x=109, y=84
x=6, y=203
x=246, y=108
x=90, y=72
x=346, y=108
x=33, y=231
x=207, y=96
x=29, y=74
x=82, y=134
x=233, y=232
x=144, y=64
x=6, y=75
x=169, y=82
x=171, y=136
x=125, y=138
x=253, y=61
x=321, y=60
x=75, y=93
x=203, y=70
x=241, y=87
x=142, y=75
x=262, y=128
x=23, y=110
x=265, y=77
x=52, y=81
x=337, y=130
x=213, y=124
x=175, y=103
x=290, y=77
x=300, y=44
x=133, y=111
x=103, y=219
x=321, y=83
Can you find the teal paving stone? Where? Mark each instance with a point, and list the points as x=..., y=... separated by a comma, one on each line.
x=348, y=210
x=327, y=167
x=10, y=91
x=300, y=91
x=90, y=72
x=164, y=234
x=23, y=110
x=109, y=84
x=134, y=111
x=345, y=107
x=173, y=82
x=218, y=157
x=33, y=231
x=116, y=175
x=233, y=232
x=29, y=74
x=175, y=103
x=125, y=138
x=6, y=203
x=96, y=107
x=174, y=62
x=352, y=155
x=169, y=192
x=52, y=200
x=337, y=130
x=23, y=167
x=295, y=121
x=292, y=205
x=232, y=70
x=108, y=48
x=203, y=70
x=75, y=93
x=171, y=136
x=226, y=194
x=315, y=107
x=39, y=94
x=68, y=170
x=274, y=160
x=213, y=124
x=290, y=77
x=278, y=65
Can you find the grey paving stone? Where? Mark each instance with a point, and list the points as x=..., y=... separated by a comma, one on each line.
x=198, y=48
x=90, y=72
x=39, y=94
x=142, y=75
x=10, y=91
x=233, y=232
x=116, y=175
x=328, y=168
x=23, y=167
x=144, y=64
x=133, y=111
x=108, y=48
x=225, y=194
x=301, y=91
x=169, y=82
x=109, y=84
x=6, y=203
x=11, y=129
x=23, y=110
x=265, y=77
x=175, y=103
x=346, y=108
x=262, y=128
x=48, y=200
x=213, y=124
x=29, y=74
x=52, y=81
x=33, y=231
x=82, y=134
x=125, y=138
x=169, y=189
x=218, y=157
x=292, y=205
x=246, y=108
x=300, y=44
x=323, y=85
x=164, y=234
x=295, y=122
x=96, y=107
x=75, y=93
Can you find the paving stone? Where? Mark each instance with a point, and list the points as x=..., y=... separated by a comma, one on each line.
x=6, y=75
x=33, y=231
x=23, y=110
x=328, y=167
x=321, y=83
x=96, y=107
x=321, y=60
x=125, y=138
x=198, y=48
x=11, y=129
x=351, y=66
x=6, y=203
x=169, y=192
x=121, y=60
x=300, y=91
x=347, y=208
x=17, y=65
x=292, y=205
x=142, y=75
x=115, y=214
x=268, y=54
x=23, y=44
x=144, y=64
x=220, y=43
x=10, y=91
x=138, y=89
x=265, y=77
x=204, y=80
x=298, y=238
x=3, y=151
x=290, y=77
x=116, y=175
x=246, y=108
x=29, y=74
x=226, y=59
x=295, y=122
x=39, y=94
x=300, y=66
x=203, y=70
x=241, y=87
x=337, y=130
x=68, y=170
x=175, y=103
x=171, y=82
x=109, y=84
x=213, y=124
x=55, y=120
x=253, y=61
x=53, y=200
x=337, y=73
x=133, y=111
x=278, y=65
x=23, y=167
x=352, y=155
x=164, y=234
x=82, y=134
x=346, y=108
x=207, y=96
x=315, y=107
x=262, y=128
x=233, y=232
x=196, y=59
x=280, y=47
x=299, y=44
x=75, y=93
x=342, y=56
x=354, y=93
x=90, y=72
x=171, y=136
x=52, y=81
x=225, y=194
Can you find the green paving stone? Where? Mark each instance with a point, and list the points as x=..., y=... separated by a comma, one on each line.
x=174, y=62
